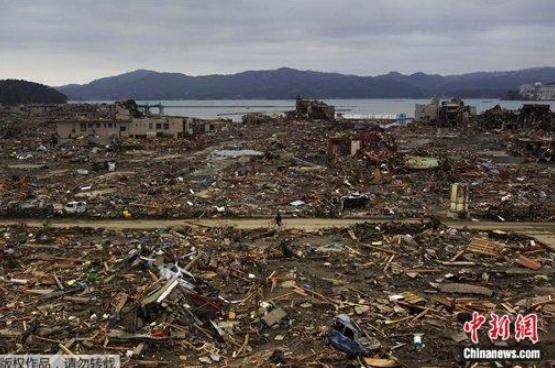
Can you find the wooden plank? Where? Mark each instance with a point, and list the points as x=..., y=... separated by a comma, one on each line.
x=454, y=287
x=485, y=247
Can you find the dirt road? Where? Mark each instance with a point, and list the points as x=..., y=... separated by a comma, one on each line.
x=543, y=231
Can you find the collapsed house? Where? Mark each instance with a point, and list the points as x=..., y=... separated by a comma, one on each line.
x=535, y=119
x=529, y=116
x=312, y=110
x=536, y=116
x=497, y=117
x=373, y=145
x=444, y=113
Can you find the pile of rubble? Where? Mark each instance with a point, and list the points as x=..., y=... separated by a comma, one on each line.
x=257, y=118
x=394, y=294
x=497, y=118
x=529, y=117
x=536, y=116
x=531, y=129
x=311, y=110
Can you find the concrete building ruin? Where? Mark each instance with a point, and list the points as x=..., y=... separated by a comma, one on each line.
x=147, y=127
x=313, y=110
x=124, y=119
x=444, y=113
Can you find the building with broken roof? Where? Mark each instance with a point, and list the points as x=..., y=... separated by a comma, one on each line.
x=427, y=112
x=313, y=110
x=444, y=113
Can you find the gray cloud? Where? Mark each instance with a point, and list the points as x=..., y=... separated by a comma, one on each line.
x=65, y=41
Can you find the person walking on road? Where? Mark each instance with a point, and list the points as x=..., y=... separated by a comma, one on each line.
x=278, y=219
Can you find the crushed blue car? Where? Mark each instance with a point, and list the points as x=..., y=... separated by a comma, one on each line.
x=347, y=337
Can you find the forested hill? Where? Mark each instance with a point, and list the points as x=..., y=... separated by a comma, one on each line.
x=14, y=92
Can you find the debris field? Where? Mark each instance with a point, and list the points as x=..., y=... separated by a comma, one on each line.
x=197, y=296
x=375, y=294
x=264, y=165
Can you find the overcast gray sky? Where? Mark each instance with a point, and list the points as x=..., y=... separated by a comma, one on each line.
x=73, y=41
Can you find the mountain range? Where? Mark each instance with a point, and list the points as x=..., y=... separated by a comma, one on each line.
x=286, y=83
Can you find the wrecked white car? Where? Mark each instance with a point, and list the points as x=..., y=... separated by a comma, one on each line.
x=75, y=207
